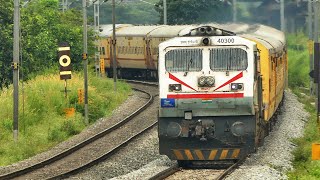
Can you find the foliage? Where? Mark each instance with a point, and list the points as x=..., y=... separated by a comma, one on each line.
x=43, y=26
x=42, y=121
x=195, y=11
x=304, y=167
x=298, y=58
x=6, y=42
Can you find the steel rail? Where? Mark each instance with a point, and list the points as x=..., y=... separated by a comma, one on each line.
x=102, y=157
x=166, y=173
x=80, y=145
x=174, y=169
x=141, y=82
x=230, y=169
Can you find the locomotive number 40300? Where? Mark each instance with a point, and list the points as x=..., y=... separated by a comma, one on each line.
x=225, y=40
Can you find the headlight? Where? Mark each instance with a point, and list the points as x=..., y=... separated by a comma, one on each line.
x=238, y=129
x=210, y=81
x=202, y=81
x=174, y=87
x=236, y=86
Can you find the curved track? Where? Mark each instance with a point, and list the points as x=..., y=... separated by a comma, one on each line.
x=60, y=157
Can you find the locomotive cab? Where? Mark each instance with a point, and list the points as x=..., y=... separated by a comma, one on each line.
x=207, y=86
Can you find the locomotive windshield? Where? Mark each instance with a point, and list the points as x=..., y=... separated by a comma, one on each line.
x=184, y=60
x=228, y=59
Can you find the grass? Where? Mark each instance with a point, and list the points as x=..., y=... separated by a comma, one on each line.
x=298, y=58
x=42, y=120
x=304, y=167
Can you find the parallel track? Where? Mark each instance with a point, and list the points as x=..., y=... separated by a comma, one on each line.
x=101, y=158
x=82, y=144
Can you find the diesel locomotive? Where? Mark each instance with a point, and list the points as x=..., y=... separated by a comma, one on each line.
x=219, y=87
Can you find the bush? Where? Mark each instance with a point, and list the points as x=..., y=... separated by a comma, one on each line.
x=42, y=121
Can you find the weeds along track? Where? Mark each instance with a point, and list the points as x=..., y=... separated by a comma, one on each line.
x=215, y=172
x=94, y=149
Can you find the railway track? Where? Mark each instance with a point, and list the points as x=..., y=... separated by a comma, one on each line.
x=175, y=172
x=49, y=168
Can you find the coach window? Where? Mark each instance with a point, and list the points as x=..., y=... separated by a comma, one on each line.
x=228, y=59
x=184, y=60
x=103, y=51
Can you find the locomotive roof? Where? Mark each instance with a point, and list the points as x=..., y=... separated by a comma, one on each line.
x=270, y=37
x=167, y=31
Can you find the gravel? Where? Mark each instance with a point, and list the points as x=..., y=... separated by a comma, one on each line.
x=273, y=160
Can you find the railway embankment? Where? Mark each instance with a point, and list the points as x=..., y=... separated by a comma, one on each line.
x=42, y=121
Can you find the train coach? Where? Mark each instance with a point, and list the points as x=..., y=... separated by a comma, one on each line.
x=136, y=49
x=219, y=87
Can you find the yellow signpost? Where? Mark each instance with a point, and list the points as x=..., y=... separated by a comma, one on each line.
x=80, y=96
x=70, y=112
x=315, y=151
x=310, y=46
x=102, y=70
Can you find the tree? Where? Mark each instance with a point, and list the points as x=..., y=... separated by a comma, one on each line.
x=195, y=11
x=134, y=12
x=43, y=27
x=6, y=41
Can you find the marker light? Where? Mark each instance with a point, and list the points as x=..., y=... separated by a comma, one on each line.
x=236, y=86
x=174, y=87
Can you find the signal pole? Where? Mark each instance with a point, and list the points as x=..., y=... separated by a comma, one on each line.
x=84, y=56
x=96, y=9
x=114, y=41
x=310, y=44
x=64, y=5
x=15, y=66
x=282, y=20
x=235, y=13
x=316, y=20
x=164, y=11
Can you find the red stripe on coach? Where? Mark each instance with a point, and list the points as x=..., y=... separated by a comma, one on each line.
x=204, y=96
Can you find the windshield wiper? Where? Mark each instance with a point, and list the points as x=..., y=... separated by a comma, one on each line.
x=189, y=64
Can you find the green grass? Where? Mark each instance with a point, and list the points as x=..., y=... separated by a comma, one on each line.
x=298, y=58
x=42, y=121
x=304, y=167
